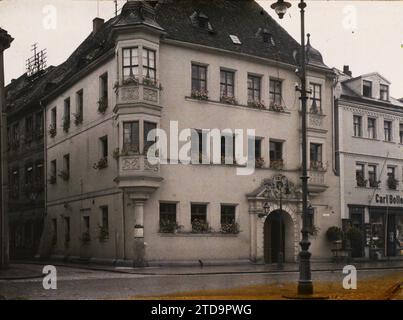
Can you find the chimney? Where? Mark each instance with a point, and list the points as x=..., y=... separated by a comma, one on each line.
x=97, y=23
x=346, y=70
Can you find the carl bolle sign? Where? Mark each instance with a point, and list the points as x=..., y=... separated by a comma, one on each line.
x=389, y=199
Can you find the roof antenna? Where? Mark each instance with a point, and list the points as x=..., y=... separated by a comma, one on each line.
x=116, y=7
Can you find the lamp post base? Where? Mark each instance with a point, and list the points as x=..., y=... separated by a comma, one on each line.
x=305, y=288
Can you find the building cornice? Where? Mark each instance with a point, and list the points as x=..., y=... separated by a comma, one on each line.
x=374, y=111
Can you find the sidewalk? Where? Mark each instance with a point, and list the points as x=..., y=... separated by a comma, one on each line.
x=33, y=269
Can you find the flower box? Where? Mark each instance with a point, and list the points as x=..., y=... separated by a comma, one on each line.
x=228, y=100
x=199, y=226
x=102, y=105
x=52, y=130
x=78, y=118
x=199, y=94
x=230, y=228
x=317, y=165
x=101, y=164
x=259, y=162
x=277, y=164
x=361, y=182
x=276, y=108
x=257, y=104
x=392, y=183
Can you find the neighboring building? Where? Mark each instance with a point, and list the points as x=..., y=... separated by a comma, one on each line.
x=371, y=163
x=204, y=64
x=26, y=166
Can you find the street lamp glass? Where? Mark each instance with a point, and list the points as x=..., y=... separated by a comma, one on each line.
x=281, y=8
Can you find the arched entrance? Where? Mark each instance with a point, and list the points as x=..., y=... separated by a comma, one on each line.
x=278, y=235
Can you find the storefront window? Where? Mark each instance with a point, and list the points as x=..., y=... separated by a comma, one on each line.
x=399, y=235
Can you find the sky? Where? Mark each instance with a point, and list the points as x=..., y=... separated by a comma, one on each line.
x=366, y=35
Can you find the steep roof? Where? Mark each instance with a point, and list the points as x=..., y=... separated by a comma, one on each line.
x=245, y=19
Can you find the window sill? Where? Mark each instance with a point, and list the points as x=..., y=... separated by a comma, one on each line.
x=239, y=106
x=366, y=138
x=198, y=235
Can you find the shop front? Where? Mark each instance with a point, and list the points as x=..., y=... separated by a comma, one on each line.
x=380, y=225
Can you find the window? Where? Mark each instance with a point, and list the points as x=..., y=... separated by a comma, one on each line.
x=360, y=175
x=401, y=132
x=103, y=86
x=228, y=149
x=254, y=87
x=67, y=230
x=130, y=63
x=258, y=148
x=227, y=84
x=227, y=214
x=198, y=213
x=104, y=146
x=149, y=64
x=276, y=151
x=392, y=182
x=39, y=124
x=131, y=139
x=80, y=104
x=66, y=115
x=371, y=128
x=372, y=176
x=53, y=171
x=199, y=78
x=167, y=217
x=388, y=130
x=66, y=166
x=367, y=89
x=275, y=92
x=53, y=118
x=316, y=156
x=357, y=126
x=29, y=127
x=316, y=98
x=384, y=92
x=105, y=220
x=148, y=127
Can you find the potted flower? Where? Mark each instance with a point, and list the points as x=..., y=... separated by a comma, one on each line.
x=230, y=228
x=102, y=105
x=131, y=80
x=199, y=226
x=149, y=82
x=259, y=162
x=276, y=107
x=277, y=164
x=200, y=94
x=361, y=182
x=335, y=235
x=256, y=104
x=78, y=118
x=168, y=226
x=317, y=165
x=374, y=183
x=52, y=130
x=392, y=183
x=101, y=164
x=228, y=99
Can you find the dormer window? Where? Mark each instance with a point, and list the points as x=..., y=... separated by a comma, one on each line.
x=384, y=92
x=201, y=21
x=367, y=89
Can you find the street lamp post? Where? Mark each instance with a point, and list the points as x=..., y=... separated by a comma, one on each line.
x=305, y=286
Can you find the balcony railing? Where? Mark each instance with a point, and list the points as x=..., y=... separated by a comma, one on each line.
x=317, y=182
x=142, y=91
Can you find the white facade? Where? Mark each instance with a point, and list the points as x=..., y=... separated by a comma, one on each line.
x=133, y=190
x=370, y=201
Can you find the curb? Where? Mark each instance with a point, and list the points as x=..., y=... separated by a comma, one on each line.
x=95, y=268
